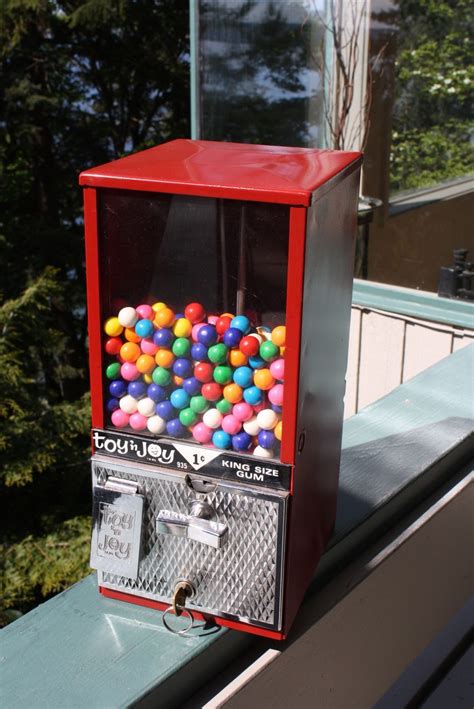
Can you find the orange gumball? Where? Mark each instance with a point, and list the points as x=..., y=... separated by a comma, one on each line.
x=130, y=352
x=164, y=358
x=232, y=393
x=131, y=335
x=178, y=380
x=164, y=317
x=145, y=364
x=237, y=358
x=279, y=336
x=263, y=379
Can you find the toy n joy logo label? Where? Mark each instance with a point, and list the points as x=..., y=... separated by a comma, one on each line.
x=129, y=447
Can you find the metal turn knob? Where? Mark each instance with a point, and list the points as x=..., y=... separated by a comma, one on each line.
x=199, y=525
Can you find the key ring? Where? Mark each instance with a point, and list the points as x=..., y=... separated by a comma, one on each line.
x=184, y=611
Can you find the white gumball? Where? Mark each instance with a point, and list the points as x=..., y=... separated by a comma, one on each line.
x=128, y=404
x=263, y=452
x=212, y=418
x=251, y=426
x=267, y=419
x=156, y=424
x=146, y=406
x=128, y=317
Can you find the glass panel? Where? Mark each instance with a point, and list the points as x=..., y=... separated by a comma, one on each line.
x=175, y=271
x=262, y=71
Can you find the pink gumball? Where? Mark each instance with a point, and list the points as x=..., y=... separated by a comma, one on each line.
x=195, y=330
x=129, y=372
x=120, y=418
x=148, y=346
x=212, y=319
x=231, y=424
x=276, y=395
x=145, y=312
x=277, y=369
x=202, y=433
x=242, y=411
x=138, y=422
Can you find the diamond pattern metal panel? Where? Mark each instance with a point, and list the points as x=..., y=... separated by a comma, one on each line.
x=240, y=580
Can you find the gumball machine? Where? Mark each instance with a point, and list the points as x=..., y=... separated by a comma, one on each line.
x=219, y=282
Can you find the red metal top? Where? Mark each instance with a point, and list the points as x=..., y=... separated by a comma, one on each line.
x=262, y=173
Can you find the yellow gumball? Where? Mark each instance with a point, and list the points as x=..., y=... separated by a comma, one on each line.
x=147, y=378
x=279, y=336
x=182, y=327
x=112, y=327
x=158, y=306
x=278, y=430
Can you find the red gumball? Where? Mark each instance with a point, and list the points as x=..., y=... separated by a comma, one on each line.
x=223, y=324
x=211, y=391
x=203, y=372
x=249, y=345
x=113, y=345
x=194, y=312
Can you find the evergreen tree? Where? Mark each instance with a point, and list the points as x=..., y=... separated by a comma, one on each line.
x=81, y=83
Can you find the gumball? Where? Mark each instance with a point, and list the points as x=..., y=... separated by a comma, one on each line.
x=198, y=404
x=145, y=364
x=113, y=371
x=207, y=335
x=211, y=391
x=128, y=404
x=179, y=399
x=112, y=327
x=195, y=313
x=278, y=430
x=257, y=362
x=137, y=389
x=164, y=358
x=224, y=407
x=269, y=351
x=267, y=419
x=112, y=405
x=147, y=378
x=165, y=410
x=182, y=328
x=199, y=352
x=130, y=352
x=275, y=395
x=148, y=347
x=113, y=345
x=249, y=345
x=161, y=376
x=263, y=379
x=263, y=452
x=237, y=358
x=202, y=433
x=158, y=306
x=156, y=425
x=146, y=407
x=242, y=411
x=233, y=393
x=241, y=442
x=120, y=419
x=279, y=336
x=223, y=324
x=266, y=439
x=137, y=422
x=253, y=395
x=262, y=405
x=183, y=368
x=242, y=323
x=212, y=418
x=203, y=372
x=221, y=439
x=277, y=369
x=191, y=386
x=222, y=374
x=164, y=317
x=175, y=428
x=277, y=409
x=130, y=335
x=212, y=319
x=217, y=353
x=181, y=347
x=232, y=337
x=144, y=328
x=118, y=388
x=231, y=425
x=188, y=417
x=243, y=376
x=156, y=392
x=195, y=330
x=163, y=338
x=145, y=312
x=129, y=371
x=251, y=426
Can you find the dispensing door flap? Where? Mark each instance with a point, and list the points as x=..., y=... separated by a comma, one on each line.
x=117, y=528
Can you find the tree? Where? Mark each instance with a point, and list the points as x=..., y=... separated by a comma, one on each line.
x=81, y=83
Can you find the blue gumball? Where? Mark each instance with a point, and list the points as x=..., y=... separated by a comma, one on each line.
x=191, y=386
x=118, y=388
x=137, y=389
x=182, y=367
x=256, y=362
x=207, y=335
x=144, y=328
x=163, y=337
x=165, y=410
x=156, y=392
x=221, y=439
x=253, y=395
x=199, y=352
x=243, y=376
x=241, y=441
x=179, y=399
x=174, y=427
x=242, y=323
x=112, y=405
x=266, y=439
x=232, y=337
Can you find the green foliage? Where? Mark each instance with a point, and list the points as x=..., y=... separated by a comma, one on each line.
x=433, y=126
x=81, y=83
